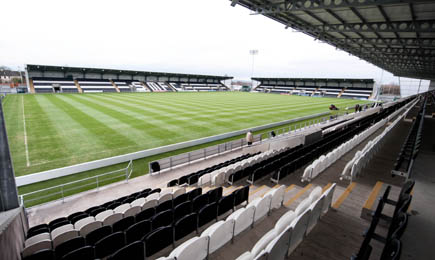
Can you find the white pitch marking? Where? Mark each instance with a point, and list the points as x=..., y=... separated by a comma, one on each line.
x=25, y=133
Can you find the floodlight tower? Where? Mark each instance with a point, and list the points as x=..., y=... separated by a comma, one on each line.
x=253, y=53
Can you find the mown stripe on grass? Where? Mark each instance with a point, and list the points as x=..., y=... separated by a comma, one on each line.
x=107, y=136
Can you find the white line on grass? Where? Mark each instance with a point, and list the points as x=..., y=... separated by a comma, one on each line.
x=25, y=133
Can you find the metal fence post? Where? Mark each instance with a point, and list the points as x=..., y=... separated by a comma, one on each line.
x=98, y=184
x=61, y=189
x=205, y=154
x=170, y=163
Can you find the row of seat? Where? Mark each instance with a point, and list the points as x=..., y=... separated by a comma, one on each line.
x=194, y=177
x=412, y=142
x=361, y=158
x=180, y=218
x=324, y=161
x=290, y=230
x=397, y=225
x=222, y=232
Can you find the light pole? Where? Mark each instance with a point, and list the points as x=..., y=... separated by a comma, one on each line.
x=253, y=53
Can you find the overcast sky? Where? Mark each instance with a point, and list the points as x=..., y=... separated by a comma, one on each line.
x=189, y=36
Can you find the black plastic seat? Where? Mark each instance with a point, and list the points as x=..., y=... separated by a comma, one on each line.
x=145, y=214
x=158, y=190
x=158, y=239
x=199, y=202
x=137, y=231
x=36, y=230
x=180, y=199
x=207, y=214
x=69, y=246
x=241, y=195
x=128, y=200
x=164, y=206
x=193, y=179
x=226, y=204
x=123, y=224
x=97, y=234
x=392, y=250
x=183, y=180
x=214, y=195
x=109, y=244
x=182, y=210
x=77, y=217
x=173, y=183
x=185, y=226
x=83, y=253
x=73, y=215
x=195, y=193
x=165, y=218
x=45, y=254
x=114, y=205
x=133, y=251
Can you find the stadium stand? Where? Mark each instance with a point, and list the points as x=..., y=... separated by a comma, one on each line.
x=139, y=87
x=52, y=85
x=356, y=93
x=122, y=86
x=203, y=87
x=96, y=85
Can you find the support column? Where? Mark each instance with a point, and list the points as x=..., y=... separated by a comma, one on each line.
x=8, y=189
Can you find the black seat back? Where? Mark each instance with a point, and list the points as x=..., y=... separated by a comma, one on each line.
x=226, y=204
x=185, y=226
x=137, y=231
x=97, y=234
x=207, y=214
x=69, y=246
x=182, y=210
x=123, y=224
x=195, y=193
x=83, y=253
x=133, y=251
x=180, y=199
x=45, y=254
x=215, y=194
x=164, y=206
x=165, y=218
x=158, y=239
x=109, y=244
x=145, y=214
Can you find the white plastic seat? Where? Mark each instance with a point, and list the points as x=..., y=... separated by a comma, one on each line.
x=61, y=229
x=243, y=217
x=178, y=192
x=109, y=220
x=316, y=211
x=218, y=179
x=35, y=247
x=165, y=191
x=166, y=258
x=122, y=208
x=150, y=204
x=102, y=215
x=262, y=207
x=82, y=222
x=315, y=193
x=165, y=197
x=153, y=196
x=263, y=242
x=37, y=238
x=219, y=234
x=285, y=220
x=303, y=205
x=62, y=237
x=278, y=247
x=138, y=202
x=263, y=255
x=89, y=227
x=306, y=176
x=245, y=256
x=133, y=211
x=328, y=198
x=299, y=226
x=204, y=179
x=193, y=249
x=277, y=197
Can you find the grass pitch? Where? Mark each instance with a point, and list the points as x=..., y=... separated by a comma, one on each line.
x=49, y=131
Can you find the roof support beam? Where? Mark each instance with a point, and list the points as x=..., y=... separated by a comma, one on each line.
x=406, y=26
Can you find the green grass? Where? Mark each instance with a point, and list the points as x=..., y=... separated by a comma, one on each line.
x=66, y=129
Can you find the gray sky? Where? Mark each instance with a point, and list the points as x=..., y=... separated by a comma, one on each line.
x=189, y=36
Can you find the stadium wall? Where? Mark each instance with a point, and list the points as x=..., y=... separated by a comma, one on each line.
x=13, y=224
x=69, y=170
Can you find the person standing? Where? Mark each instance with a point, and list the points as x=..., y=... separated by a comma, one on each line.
x=249, y=137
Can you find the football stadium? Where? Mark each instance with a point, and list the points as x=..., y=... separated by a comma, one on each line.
x=129, y=162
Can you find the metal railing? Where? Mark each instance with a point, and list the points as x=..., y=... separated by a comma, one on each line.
x=60, y=192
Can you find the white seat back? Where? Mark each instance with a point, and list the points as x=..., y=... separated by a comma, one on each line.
x=102, y=215
x=278, y=247
x=262, y=207
x=204, y=179
x=150, y=204
x=35, y=247
x=243, y=218
x=138, y=202
x=285, y=221
x=61, y=229
x=79, y=224
x=328, y=198
x=37, y=238
x=165, y=197
x=153, y=196
x=193, y=249
x=219, y=234
x=88, y=228
x=315, y=193
x=62, y=237
x=263, y=242
x=303, y=205
x=133, y=211
x=109, y=220
x=277, y=197
x=178, y=192
x=299, y=226
x=316, y=210
x=122, y=208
